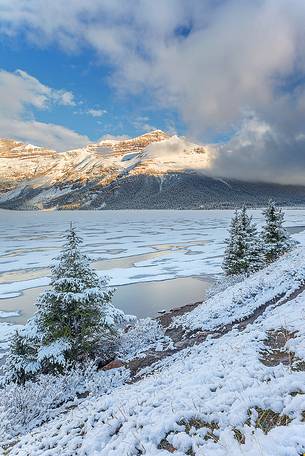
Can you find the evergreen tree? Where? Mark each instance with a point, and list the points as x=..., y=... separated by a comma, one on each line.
x=75, y=320
x=243, y=253
x=275, y=238
x=253, y=253
x=22, y=359
x=233, y=263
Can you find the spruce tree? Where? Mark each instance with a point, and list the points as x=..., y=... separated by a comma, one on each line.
x=275, y=238
x=233, y=263
x=21, y=363
x=75, y=320
x=253, y=253
x=243, y=253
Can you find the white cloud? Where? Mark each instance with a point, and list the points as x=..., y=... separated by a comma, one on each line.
x=142, y=123
x=64, y=98
x=42, y=134
x=96, y=112
x=109, y=137
x=19, y=94
x=212, y=61
x=233, y=57
x=261, y=152
x=28, y=90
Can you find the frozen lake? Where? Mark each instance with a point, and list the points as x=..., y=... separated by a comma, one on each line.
x=157, y=259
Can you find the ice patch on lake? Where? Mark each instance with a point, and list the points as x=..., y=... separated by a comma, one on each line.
x=191, y=243
x=7, y=314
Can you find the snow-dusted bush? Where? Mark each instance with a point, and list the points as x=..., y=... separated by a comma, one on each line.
x=146, y=334
x=23, y=407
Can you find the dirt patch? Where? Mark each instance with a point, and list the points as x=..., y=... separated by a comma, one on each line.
x=276, y=352
x=165, y=445
x=166, y=318
x=177, y=333
x=181, y=338
x=149, y=358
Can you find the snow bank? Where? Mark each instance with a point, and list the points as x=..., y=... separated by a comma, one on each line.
x=219, y=381
x=242, y=299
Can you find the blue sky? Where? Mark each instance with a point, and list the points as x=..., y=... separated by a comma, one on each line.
x=99, y=109
x=228, y=72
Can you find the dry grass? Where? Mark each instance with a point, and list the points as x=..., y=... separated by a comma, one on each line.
x=200, y=424
x=193, y=423
x=239, y=436
x=267, y=419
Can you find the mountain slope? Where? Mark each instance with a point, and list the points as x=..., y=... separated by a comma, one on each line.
x=239, y=389
x=151, y=171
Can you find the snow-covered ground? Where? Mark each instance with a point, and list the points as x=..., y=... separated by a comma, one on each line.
x=217, y=398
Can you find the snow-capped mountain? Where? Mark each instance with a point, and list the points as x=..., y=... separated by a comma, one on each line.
x=154, y=170
x=152, y=153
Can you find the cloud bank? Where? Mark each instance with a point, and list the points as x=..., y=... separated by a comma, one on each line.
x=20, y=93
x=233, y=66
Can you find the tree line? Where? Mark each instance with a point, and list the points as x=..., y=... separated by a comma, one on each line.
x=247, y=250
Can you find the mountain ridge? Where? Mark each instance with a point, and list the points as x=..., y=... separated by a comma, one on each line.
x=152, y=171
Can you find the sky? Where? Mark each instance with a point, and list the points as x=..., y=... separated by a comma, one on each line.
x=224, y=72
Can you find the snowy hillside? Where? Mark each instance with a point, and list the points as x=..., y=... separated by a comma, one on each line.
x=154, y=170
x=231, y=382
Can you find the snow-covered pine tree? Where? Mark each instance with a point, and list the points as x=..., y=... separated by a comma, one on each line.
x=253, y=254
x=275, y=238
x=243, y=253
x=233, y=263
x=21, y=363
x=75, y=320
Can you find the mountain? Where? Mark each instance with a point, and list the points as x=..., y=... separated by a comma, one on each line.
x=151, y=171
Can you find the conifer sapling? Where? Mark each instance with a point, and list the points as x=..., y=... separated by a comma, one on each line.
x=75, y=320
x=243, y=252
x=275, y=238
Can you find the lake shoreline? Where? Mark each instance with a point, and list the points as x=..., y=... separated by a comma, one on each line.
x=148, y=299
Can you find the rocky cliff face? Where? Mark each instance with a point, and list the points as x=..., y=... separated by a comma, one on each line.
x=154, y=170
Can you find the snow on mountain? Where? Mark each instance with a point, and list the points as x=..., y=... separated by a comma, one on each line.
x=27, y=170
x=173, y=154
x=121, y=147
x=103, y=161
x=152, y=171
x=19, y=162
x=152, y=149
